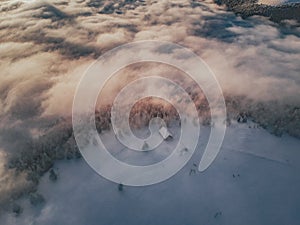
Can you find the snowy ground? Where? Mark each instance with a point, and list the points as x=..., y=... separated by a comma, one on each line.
x=254, y=180
x=277, y=2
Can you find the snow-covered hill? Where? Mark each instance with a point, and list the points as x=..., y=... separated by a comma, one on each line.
x=277, y=2
x=254, y=180
x=276, y=10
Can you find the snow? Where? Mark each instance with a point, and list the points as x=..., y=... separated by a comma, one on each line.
x=254, y=180
x=277, y=2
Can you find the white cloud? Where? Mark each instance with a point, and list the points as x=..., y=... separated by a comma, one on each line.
x=46, y=46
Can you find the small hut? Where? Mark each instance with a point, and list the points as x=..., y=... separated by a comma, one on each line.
x=166, y=135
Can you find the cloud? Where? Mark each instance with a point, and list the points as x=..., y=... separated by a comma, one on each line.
x=47, y=45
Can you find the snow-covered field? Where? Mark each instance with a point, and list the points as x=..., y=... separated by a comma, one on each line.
x=254, y=180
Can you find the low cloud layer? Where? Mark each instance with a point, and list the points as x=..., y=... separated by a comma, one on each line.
x=45, y=47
